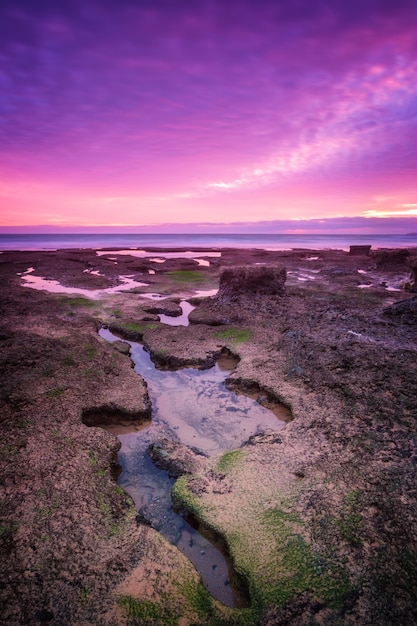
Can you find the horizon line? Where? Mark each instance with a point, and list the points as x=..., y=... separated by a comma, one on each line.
x=354, y=225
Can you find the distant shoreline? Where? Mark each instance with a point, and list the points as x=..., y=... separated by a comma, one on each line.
x=278, y=242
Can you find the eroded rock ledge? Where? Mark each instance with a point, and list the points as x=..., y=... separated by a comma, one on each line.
x=251, y=280
x=113, y=414
x=174, y=457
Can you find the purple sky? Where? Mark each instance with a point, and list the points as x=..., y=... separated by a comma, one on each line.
x=147, y=112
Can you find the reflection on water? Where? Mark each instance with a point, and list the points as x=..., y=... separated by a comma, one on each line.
x=180, y=320
x=54, y=286
x=205, y=293
x=128, y=283
x=184, y=254
x=195, y=407
x=150, y=489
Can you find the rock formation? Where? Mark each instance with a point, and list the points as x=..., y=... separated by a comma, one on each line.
x=256, y=279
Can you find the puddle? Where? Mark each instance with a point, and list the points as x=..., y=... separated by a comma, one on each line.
x=93, y=272
x=205, y=293
x=303, y=276
x=128, y=283
x=354, y=333
x=120, y=426
x=227, y=362
x=186, y=254
x=202, y=262
x=152, y=296
x=195, y=407
x=179, y=320
x=54, y=286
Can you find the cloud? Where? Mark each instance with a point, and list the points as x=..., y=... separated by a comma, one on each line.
x=170, y=100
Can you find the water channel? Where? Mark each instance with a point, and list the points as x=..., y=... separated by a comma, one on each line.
x=194, y=407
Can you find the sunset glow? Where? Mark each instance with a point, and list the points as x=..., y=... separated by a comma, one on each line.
x=145, y=113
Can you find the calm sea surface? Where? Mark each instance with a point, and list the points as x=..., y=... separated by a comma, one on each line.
x=268, y=242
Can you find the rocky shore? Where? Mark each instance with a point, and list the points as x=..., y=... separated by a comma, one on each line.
x=320, y=519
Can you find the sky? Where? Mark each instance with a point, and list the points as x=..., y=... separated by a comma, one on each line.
x=137, y=113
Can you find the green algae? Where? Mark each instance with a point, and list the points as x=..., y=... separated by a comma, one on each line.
x=56, y=392
x=229, y=460
x=184, y=499
x=292, y=567
x=145, y=611
x=197, y=604
x=271, y=552
x=78, y=301
x=197, y=597
x=186, y=276
x=209, y=611
x=131, y=330
x=138, y=327
x=235, y=335
x=349, y=522
x=91, y=350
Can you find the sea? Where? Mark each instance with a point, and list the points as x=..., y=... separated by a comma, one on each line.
x=194, y=241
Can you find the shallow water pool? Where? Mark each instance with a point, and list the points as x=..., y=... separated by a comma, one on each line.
x=194, y=407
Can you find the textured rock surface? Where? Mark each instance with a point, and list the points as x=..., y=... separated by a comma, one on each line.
x=321, y=518
x=121, y=346
x=405, y=311
x=174, y=457
x=248, y=279
x=413, y=276
x=391, y=259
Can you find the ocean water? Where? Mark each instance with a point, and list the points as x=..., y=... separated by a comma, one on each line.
x=195, y=241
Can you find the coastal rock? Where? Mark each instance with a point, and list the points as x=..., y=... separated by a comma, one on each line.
x=174, y=457
x=113, y=413
x=252, y=280
x=121, y=346
x=130, y=329
x=341, y=474
x=404, y=311
x=413, y=276
x=336, y=272
x=167, y=307
x=209, y=315
x=359, y=250
x=174, y=347
x=268, y=438
x=391, y=259
x=179, y=263
x=149, y=318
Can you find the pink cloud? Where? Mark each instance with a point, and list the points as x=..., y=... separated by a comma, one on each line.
x=206, y=109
